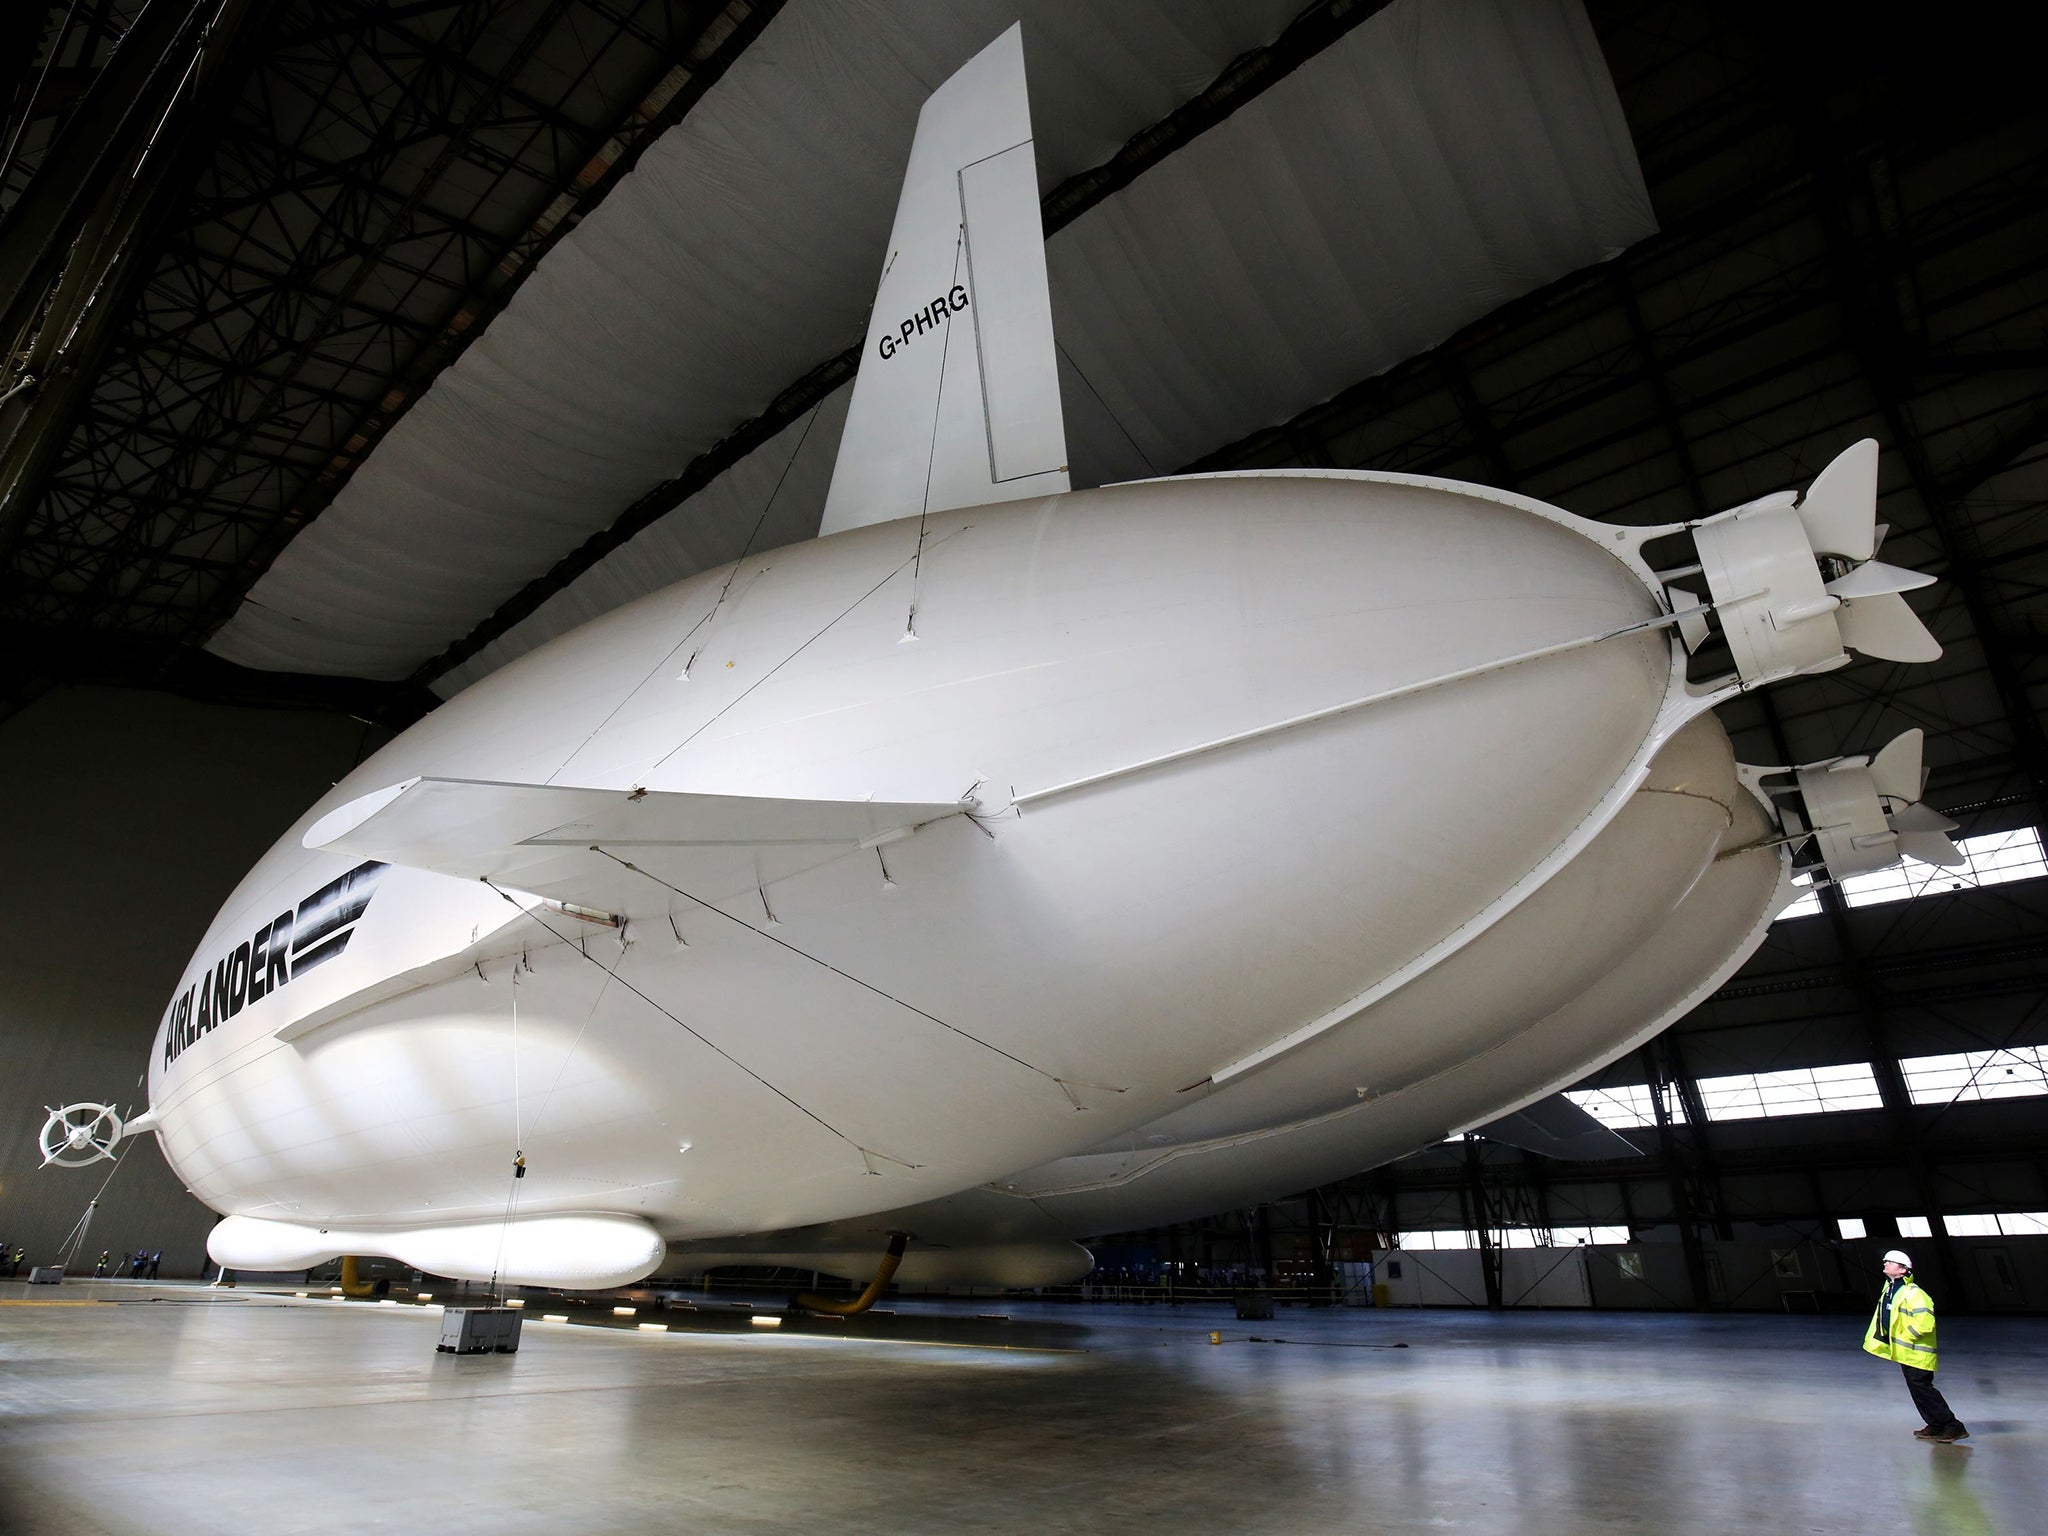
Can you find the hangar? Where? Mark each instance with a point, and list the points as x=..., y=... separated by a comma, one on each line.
x=358, y=351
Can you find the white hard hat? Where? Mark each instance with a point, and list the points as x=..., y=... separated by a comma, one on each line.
x=1896, y=1257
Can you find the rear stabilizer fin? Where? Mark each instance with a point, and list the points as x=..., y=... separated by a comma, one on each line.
x=957, y=402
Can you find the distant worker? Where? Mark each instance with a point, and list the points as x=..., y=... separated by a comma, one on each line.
x=135, y=1264
x=155, y=1262
x=1902, y=1329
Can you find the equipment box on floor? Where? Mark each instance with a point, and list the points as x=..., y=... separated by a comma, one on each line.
x=480, y=1331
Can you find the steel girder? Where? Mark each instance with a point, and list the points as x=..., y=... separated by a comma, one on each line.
x=372, y=193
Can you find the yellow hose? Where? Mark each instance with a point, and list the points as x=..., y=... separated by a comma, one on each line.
x=350, y=1284
x=884, y=1272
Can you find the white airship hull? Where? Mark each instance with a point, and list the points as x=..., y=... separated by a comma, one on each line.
x=1274, y=1134
x=1662, y=941
x=1034, y=865
x=1030, y=982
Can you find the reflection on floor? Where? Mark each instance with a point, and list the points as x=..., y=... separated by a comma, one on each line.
x=139, y=1408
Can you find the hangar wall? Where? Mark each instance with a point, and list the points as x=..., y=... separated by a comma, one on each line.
x=143, y=809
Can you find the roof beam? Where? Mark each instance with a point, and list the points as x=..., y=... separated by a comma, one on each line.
x=1875, y=333
x=247, y=416
x=719, y=36
x=71, y=245
x=369, y=256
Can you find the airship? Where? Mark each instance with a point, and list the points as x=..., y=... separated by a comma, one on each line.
x=1012, y=863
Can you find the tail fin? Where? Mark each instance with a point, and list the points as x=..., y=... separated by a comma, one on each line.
x=957, y=402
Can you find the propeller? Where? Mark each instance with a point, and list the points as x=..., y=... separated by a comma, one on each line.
x=1840, y=507
x=1897, y=772
x=1884, y=626
x=1873, y=578
x=1900, y=779
x=1839, y=513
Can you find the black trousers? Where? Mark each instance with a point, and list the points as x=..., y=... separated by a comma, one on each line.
x=1932, y=1405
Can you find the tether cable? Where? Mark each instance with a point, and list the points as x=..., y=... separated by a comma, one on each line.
x=868, y=1154
x=1109, y=410
x=1065, y=1085
x=518, y=1141
x=75, y=1238
x=704, y=628
x=924, y=509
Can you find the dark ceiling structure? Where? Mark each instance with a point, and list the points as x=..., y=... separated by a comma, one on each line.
x=263, y=232
x=234, y=248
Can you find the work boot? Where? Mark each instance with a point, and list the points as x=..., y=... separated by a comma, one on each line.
x=1952, y=1434
x=1925, y=1432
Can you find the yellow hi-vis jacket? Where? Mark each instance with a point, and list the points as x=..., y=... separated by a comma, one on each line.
x=1909, y=1338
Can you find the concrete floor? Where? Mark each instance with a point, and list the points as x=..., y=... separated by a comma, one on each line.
x=193, y=1411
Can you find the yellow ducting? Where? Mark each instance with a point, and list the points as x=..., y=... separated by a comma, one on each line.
x=351, y=1284
x=884, y=1272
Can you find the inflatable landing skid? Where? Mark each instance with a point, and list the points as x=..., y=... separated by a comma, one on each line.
x=884, y=1273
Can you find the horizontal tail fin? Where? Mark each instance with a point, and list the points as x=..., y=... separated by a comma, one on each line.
x=1556, y=1127
x=538, y=837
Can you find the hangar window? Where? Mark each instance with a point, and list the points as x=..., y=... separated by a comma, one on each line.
x=1850, y=1226
x=1567, y=1237
x=1516, y=1237
x=1914, y=1226
x=1626, y=1108
x=2004, y=1224
x=2020, y=1072
x=1561, y=1237
x=1797, y=1091
x=1995, y=858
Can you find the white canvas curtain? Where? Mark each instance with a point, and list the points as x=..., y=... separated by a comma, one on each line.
x=1445, y=157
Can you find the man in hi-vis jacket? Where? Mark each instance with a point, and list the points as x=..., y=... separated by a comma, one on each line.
x=1902, y=1329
